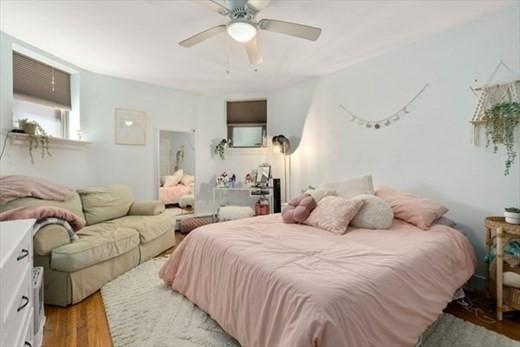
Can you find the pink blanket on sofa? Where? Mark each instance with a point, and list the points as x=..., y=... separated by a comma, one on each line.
x=42, y=212
x=16, y=186
x=273, y=284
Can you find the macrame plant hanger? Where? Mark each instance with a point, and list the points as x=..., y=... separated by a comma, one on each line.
x=490, y=95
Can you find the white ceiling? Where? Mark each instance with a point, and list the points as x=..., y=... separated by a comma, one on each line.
x=138, y=39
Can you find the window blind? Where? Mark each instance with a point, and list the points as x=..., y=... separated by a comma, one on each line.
x=39, y=82
x=247, y=112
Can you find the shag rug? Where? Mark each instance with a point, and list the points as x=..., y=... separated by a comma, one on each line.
x=143, y=312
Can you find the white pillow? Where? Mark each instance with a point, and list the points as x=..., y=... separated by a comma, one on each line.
x=334, y=214
x=349, y=188
x=375, y=213
x=318, y=194
x=188, y=180
x=173, y=180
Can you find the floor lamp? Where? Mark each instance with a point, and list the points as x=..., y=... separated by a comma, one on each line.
x=282, y=145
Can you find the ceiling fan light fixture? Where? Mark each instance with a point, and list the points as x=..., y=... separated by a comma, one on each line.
x=241, y=31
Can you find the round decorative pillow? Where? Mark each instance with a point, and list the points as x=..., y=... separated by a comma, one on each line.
x=375, y=213
x=298, y=209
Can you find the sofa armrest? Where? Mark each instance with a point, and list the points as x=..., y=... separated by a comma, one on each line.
x=49, y=237
x=146, y=208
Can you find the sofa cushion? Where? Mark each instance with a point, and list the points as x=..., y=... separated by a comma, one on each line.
x=148, y=227
x=73, y=204
x=105, y=203
x=95, y=244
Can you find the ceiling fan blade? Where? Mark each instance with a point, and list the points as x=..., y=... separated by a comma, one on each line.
x=258, y=5
x=204, y=35
x=218, y=7
x=253, y=52
x=292, y=29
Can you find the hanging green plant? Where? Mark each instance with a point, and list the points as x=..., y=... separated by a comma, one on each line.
x=501, y=122
x=37, y=137
x=220, y=148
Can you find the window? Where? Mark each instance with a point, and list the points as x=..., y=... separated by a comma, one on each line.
x=246, y=122
x=42, y=93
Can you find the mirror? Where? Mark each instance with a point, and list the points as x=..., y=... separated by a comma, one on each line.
x=176, y=160
x=263, y=174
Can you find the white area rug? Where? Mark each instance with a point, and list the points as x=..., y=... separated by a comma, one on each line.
x=143, y=312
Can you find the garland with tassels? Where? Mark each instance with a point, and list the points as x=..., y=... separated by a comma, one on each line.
x=377, y=124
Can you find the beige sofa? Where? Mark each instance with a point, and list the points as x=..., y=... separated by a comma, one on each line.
x=119, y=235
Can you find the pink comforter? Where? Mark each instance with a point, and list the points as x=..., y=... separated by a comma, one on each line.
x=273, y=284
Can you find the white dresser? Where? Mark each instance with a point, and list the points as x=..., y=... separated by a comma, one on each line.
x=16, y=289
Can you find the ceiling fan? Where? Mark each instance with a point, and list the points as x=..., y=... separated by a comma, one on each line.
x=243, y=26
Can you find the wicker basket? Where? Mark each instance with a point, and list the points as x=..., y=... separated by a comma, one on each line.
x=189, y=224
x=511, y=295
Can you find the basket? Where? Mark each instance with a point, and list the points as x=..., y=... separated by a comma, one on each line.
x=189, y=224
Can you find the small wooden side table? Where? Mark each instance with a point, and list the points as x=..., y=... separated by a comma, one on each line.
x=503, y=232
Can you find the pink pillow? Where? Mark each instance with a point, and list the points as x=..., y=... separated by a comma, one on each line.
x=298, y=209
x=334, y=214
x=412, y=209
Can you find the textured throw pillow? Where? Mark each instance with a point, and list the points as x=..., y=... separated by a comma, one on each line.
x=349, y=188
x=412, y=209
x=187, y=180
x=334, y=213
x=319, y=194
x=375, y=213
x=298, y=209
x=173, y=180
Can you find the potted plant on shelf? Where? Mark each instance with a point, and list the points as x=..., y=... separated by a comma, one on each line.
x=512, y=215
x=37, y=137
x=501, y=122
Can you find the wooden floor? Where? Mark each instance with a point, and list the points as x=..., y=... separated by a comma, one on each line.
x=85, y=324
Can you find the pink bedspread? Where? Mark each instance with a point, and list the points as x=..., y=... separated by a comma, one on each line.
x=273, y=284
x=171, y=195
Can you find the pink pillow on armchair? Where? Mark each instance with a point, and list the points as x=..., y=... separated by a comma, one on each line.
x=298, y=209
x=412, y=209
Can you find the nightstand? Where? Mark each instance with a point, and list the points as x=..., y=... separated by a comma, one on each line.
x=497, y=228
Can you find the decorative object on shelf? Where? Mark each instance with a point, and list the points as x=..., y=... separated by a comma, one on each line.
x=131, y=127
x=220, y=148
x=37, y=137
x=248, y=181
x=281, y=144
x=263, y=174
x=498, y=110
x=378, y=124
x=233, y=181
x=222, y=180
x=512, y=215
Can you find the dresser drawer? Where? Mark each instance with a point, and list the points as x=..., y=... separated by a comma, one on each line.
x=18, y=310
x=17, y=264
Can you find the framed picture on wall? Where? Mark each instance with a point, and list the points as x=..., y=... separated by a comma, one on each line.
x=131, y=127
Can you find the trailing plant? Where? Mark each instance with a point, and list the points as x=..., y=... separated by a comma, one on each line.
x=512, y=210
x=220, y=148
x=501, y=122
x=38, y=137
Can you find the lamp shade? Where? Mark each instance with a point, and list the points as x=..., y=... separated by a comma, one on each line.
x=281, y=144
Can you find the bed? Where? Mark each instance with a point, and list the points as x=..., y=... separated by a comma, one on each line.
x=173, y=194
x=273, y=284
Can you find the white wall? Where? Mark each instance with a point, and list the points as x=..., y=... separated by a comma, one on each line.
x=104, y=162
x=428, y=153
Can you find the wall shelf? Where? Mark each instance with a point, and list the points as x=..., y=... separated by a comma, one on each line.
x=54, y=142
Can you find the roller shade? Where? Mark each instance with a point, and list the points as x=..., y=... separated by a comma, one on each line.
x=247, y=112
x=39, y=82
